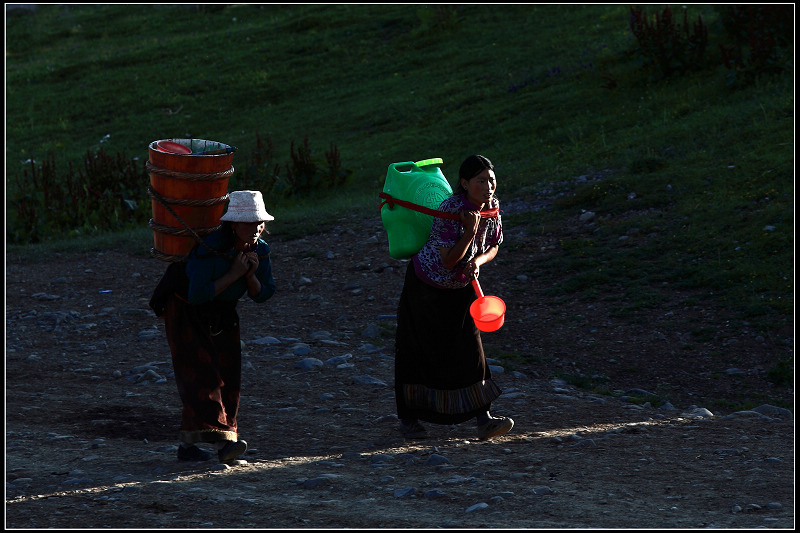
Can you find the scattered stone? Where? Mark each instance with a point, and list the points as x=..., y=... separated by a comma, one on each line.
x=405, y=493
x=697, y=412
x=265, y=340
x=746, y=414
x=407, y=458
x=338, y=360
x=372, y=331
x=774, y=412
x=309, y=363
x=436, y=460
x=321, y=335
x=301, y=348
x=152, y=376
x=639, y=392
x=150, y=334
x=78, y=481
x=44, y=296
x=477, y=507
x=319, y=481
x=368, y=380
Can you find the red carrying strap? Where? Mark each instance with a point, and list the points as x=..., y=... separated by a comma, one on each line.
x=387, y=199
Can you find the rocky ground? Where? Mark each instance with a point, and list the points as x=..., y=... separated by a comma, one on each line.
x=92, y=411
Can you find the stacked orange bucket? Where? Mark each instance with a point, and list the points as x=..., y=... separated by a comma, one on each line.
x=188, y=191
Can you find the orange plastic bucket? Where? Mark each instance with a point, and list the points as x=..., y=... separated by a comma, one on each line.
x=488, y=312
x=188, y=192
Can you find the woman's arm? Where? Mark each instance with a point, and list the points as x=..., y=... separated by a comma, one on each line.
x=486, y=256
x=253, y=283
x=260, y=283
x=473, y=267
x=451, y=256
x=239, y=267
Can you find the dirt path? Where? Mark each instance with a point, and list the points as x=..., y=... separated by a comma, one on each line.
x=92, y=412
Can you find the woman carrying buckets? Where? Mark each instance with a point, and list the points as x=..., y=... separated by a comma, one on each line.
x=441, y=375
x=202, y=327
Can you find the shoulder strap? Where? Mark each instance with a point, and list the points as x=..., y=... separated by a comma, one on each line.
x=388, y=200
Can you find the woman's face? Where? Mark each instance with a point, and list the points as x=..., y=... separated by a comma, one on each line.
x=248, y=232
x=480, y=189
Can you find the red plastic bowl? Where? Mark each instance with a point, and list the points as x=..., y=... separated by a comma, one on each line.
x=172, y=148
x=488, y=312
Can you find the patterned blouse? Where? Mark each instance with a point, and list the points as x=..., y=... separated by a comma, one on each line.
x=445, y=233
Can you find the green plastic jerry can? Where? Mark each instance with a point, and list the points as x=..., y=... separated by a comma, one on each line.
x=421, y=183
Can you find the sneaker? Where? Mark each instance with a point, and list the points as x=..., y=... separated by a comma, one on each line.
x=193, y=453
x=495, y=427
x=232, y=450
x=414, y=430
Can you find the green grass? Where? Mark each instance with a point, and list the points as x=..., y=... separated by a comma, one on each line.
x=699, y=174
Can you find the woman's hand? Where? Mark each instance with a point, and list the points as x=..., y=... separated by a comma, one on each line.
x=470, y=220
x=472, y=269
x=240, y=265
x=253, y=283
x=252, y=261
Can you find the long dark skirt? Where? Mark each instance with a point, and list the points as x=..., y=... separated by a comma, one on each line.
x=441, y=375
x=207, y=359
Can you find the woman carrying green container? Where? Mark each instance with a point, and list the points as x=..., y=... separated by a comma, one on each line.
x=441, y=374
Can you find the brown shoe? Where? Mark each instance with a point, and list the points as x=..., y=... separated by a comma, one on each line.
x=414, y=430
x=495, y=427
x=231, y=451
x=193, y=453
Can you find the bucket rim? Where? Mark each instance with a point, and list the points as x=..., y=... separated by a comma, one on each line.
x=195, y=146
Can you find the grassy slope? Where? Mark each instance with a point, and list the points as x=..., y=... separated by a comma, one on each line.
x=379, y=81
x=701, y=166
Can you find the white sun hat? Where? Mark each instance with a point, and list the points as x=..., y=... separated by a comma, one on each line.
x=246, y=206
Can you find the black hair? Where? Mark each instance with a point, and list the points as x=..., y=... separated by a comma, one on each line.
x=471, y=167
